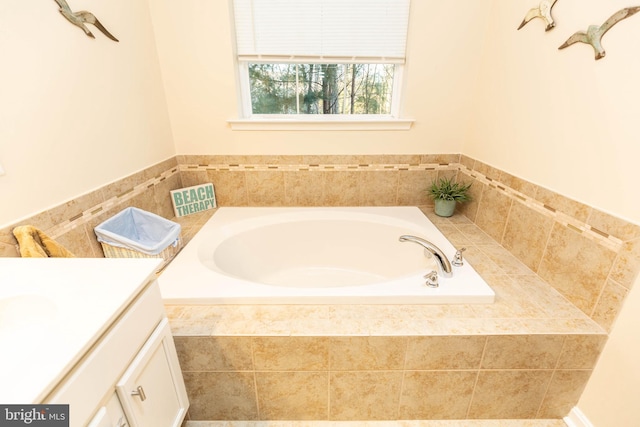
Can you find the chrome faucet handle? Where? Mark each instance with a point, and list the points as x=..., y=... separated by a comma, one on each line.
x=457, y=258
x=432, y=279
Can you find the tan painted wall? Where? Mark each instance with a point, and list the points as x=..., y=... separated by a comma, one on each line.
x=75, y=112
x=558, y=117
x=78, y=113
x=196, y=55
x=570, y=123
x=611, y=396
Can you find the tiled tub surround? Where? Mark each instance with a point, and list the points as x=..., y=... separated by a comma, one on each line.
x=589, y=256
x=528, y=355
x=520, y=237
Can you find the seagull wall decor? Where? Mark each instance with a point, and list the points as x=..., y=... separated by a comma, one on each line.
x=543, y=11
x=593, y=35
x=81, y=18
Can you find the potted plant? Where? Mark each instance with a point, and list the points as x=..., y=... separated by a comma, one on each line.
x=446, y=194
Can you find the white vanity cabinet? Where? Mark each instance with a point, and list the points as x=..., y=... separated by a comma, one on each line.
x=152, y=390
x=130, y=377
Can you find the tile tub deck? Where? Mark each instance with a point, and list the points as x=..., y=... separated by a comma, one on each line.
x=531, y=337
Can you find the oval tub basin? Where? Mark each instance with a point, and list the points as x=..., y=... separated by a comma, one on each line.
x=316, y=256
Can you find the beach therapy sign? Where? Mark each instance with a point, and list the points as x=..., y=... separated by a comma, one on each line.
x=193, y=199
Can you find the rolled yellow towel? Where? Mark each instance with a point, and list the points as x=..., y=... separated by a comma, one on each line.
x=34, y=243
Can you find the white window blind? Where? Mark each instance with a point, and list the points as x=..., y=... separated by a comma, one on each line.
x=321, y=30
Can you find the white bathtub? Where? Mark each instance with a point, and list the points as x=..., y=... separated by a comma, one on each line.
x=315, y=256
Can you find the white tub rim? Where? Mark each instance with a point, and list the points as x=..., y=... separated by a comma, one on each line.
x=177, y=289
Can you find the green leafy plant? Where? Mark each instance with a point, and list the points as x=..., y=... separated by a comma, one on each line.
x=445, y=189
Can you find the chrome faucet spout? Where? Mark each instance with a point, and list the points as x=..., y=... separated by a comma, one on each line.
x=443, y=264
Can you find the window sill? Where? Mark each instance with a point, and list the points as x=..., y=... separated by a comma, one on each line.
x=326, y=125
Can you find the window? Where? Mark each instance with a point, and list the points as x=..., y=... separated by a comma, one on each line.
x=320, y=59
x=321, y=88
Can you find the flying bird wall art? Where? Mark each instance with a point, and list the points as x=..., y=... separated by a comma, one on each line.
x=542, y=11
x=594, y=33
x=81, y=18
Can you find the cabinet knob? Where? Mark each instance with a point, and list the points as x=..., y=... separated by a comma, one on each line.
x=139, y=391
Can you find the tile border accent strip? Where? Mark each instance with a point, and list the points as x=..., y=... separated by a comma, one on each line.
x=253, y=167
x=604, y=239
x=87, y=215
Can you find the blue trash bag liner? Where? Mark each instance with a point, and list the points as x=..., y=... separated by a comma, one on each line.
x=138, y=230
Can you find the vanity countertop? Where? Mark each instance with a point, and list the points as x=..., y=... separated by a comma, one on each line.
x=52, y=310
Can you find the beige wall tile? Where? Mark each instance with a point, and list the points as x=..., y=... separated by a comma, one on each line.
x=156, y=170
x=184, y=328
x=265, y=188
x=367, y=353
x=409, y=159
x=518, y=184
x=486, y=170
x=341, y=188
x=78, y=241
x=609, y=305
x=221, y=395
x=8, y=250
x=627, y=264
x=526, y=234
x=378, y=188
x=214, y=353
x=190, y=178
x=456, y=238
x=462, y=352
x=437, y=395
x=303, y=188
x=372, y=395
x=482, y=263
x=509, y=394
x=470, y=208
x=440, y=158
x=475, y=234
x=413, y=187
x=576, y=267
x=466, y=161
x=196, y=159
x=522, y=352
x=292, y=395
x=145, y=201
x=616, y=227
x=291, y=353
x=507, y=261
x=162, y=195
x=550, y=301
x=42, y=220
x=493, y=211
x=447, y=174
x=78, y=205
x=563, y=393
x=563, y=204
x=331, y=159
x=581, y=351
x=230, y=187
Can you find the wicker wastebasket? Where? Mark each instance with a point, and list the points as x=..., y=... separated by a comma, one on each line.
x=136, y=233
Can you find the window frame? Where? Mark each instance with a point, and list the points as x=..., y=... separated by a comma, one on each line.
x=249, y=55
x=250, y=121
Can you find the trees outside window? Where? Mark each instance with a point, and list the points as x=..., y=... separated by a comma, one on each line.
x=292, y=88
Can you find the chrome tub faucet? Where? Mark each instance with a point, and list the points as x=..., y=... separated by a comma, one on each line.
x=442, y=263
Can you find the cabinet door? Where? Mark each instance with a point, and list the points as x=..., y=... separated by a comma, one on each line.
x=152, y=389
x=111, y=415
